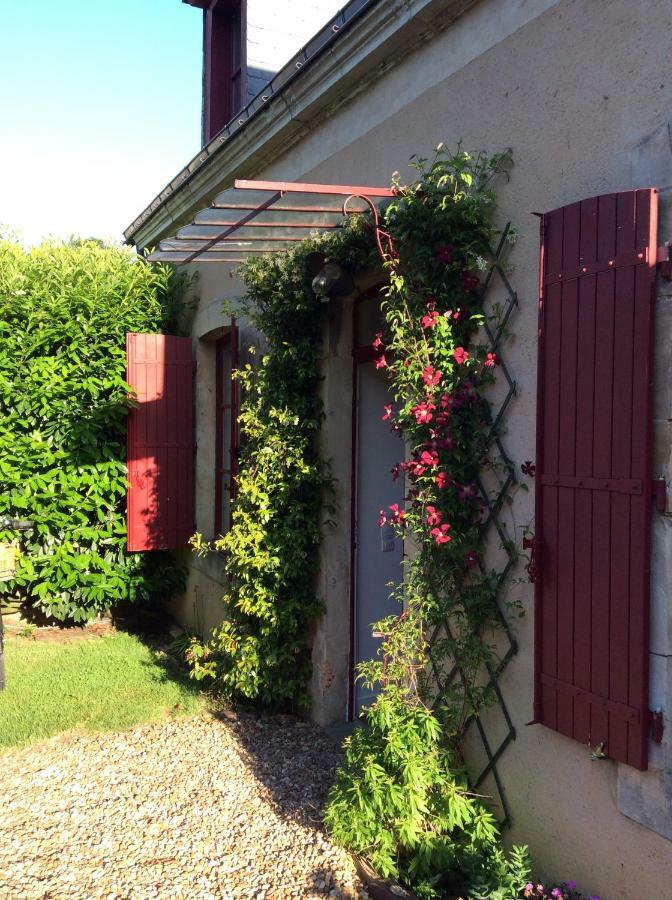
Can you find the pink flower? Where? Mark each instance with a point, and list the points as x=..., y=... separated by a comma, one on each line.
x=381, y=362
x=423, y=412
x=491, y=360
x=388, y=413
x=468, y=281
x=455, y=314
x=443, y=480
x=397, y=514
x=431, y=376
x=430, y=319
x=444, y=252
x=434, y=516
x=429, y=458
x=382, y=518
x=440, y=534
x=444, y=402
x=460, y=355
x=378, y=341
x=395, y=470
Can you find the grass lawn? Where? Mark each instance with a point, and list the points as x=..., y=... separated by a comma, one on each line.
x=99, y=684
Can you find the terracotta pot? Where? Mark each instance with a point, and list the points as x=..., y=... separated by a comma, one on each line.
x=380, y=888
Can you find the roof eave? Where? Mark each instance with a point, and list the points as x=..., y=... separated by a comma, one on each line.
x=382, y=37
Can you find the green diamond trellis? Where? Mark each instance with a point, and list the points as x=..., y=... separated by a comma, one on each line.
x=492, y=528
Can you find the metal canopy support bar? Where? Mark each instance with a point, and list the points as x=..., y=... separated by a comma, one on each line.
x=206, y=238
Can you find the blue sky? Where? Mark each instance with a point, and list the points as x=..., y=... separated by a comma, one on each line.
x=100, y=106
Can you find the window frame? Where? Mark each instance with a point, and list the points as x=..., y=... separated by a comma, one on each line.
x=224, y=33
x=227, y=343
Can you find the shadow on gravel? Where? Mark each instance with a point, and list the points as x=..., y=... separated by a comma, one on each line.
x=294, y=760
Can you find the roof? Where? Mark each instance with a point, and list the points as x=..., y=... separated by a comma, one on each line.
x=257, y=218
x=323, y=40
x=357, y=47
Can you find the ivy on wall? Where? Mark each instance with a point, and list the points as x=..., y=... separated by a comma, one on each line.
x=261, y=652
x=64, y=313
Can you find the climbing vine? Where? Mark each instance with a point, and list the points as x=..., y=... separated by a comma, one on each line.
x=401, y=798
x=261, y=651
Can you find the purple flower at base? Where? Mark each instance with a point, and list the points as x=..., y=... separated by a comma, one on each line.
x=571, y=885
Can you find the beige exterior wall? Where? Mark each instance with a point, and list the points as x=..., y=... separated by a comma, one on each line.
x=580, y=89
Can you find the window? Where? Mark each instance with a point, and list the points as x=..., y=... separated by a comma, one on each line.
x=224, y=64
x=226, y=353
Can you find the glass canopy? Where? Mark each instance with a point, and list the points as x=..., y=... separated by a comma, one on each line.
x=254, y=218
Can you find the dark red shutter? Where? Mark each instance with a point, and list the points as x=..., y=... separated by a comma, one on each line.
x=160, y=501
x=593, y=490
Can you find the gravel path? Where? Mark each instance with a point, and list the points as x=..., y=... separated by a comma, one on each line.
x=189, y=808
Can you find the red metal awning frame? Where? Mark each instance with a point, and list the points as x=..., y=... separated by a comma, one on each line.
x=213, y=236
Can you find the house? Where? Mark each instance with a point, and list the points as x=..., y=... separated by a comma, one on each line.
x=581, y=92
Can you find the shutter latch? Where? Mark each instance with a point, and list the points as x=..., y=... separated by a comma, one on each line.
x=656, y=722
x=659, y=494
x=664, y=261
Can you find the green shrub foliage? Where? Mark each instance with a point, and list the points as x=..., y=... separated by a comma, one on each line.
x=261, y=652
x=64, y=313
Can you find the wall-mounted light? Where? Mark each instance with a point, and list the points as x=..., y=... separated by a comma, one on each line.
x=329, y=278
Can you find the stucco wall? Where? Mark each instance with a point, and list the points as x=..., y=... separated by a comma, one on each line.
x=581, y=92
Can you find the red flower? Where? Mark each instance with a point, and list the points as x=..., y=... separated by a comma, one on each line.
x=443, y=480
x=466, y=492
x=397, y=514
x=431, y=376
x=460, y=355
x=381, y=362
x=434, y=516
x=423, y=412
x=455, y=314
x=444, y=402
x=395, y=470
x=440, y=534
x=378, y=341
x=528, y=468
x=471, y=559
x=491, y=360
x=429, y=458
x=468, y=281
x=444, y=252
x=430, y=319
x=388, y=413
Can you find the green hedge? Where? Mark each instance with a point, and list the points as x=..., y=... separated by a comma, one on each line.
x=64, y=313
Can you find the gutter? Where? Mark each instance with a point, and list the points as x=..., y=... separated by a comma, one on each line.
x=334, y=66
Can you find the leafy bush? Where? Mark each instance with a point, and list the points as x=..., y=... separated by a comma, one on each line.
x=64, y=313
x=401, y=800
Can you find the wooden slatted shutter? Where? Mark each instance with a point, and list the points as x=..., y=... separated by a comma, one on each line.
x=160, y=502
x=593, y=483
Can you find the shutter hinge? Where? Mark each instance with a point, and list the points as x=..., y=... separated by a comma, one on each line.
x=657, y=725
x=659, y=494
x=532, y=544
x=664, y=261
